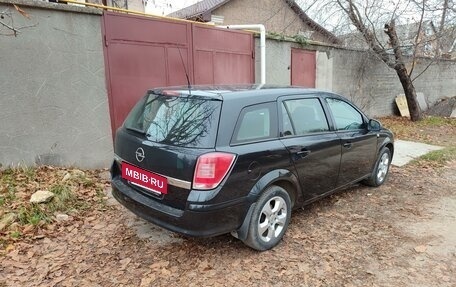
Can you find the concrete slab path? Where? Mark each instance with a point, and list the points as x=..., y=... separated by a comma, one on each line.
x=405, y=151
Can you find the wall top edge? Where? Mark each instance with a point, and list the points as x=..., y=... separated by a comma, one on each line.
x=54, y=6
x=324, y=47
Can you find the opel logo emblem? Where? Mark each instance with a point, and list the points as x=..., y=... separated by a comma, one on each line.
x=140, y=154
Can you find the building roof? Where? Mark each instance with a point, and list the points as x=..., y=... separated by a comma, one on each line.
x=311, y=23
x=198, y=8
x=206, y=6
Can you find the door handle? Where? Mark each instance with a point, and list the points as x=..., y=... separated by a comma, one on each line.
x=303, y=153
x=347, y=145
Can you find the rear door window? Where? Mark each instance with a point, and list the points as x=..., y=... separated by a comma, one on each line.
x=187, y=121
x=256, y=123
x=303, y=116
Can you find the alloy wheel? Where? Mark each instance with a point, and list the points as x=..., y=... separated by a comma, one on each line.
x=272, y=219
x=382, y=169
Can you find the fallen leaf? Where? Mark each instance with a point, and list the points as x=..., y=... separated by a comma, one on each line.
x=159, y=265
x=124, y=263
x=145, y=282
x=420, y=248
x=98, y=226
x=165, y=272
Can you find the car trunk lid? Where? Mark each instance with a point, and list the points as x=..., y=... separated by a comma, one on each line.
x=160, y=142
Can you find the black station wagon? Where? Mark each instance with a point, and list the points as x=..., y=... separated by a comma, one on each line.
x=204, y=161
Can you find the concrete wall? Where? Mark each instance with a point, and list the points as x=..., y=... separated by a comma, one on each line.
x=372, y=85
x=278, y=65
x=352, y=77
x=324, y=73
x=359, y=75
x=53, y=99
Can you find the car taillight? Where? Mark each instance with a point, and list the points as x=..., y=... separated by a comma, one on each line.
x=211, y=169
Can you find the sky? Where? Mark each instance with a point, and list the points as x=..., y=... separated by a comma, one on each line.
x=164, y=7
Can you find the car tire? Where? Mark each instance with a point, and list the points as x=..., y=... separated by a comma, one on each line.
x=380, y=172
x=270, y=219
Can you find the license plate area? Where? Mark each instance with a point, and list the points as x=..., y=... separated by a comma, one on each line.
x=144, y=179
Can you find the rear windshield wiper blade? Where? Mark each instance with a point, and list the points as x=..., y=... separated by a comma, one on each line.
x=136, y=130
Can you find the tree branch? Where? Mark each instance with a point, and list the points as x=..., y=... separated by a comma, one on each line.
x=11, y=27
x=441, y=27
x=418, y=32
x=367, y=34
x=424, y=70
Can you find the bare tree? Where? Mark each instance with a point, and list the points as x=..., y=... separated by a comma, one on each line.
x=377, y=20
x=397, y=63
x=120, y=4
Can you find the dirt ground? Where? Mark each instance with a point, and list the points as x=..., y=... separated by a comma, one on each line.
x=401, y=234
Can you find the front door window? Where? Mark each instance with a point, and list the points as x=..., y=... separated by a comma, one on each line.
x=345, y=116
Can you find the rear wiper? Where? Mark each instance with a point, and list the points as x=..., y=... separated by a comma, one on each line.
x=136, y=130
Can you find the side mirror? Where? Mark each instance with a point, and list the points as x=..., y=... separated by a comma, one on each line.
x=374, y=125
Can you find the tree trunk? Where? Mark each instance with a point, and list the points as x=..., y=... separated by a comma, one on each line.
x=402, y=73
x=409, y=90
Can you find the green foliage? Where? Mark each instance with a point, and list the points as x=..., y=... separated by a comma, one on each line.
x=301, y=40
x=11, y=194
x=64, y=199
x=439, y=157
x=75, y=191
x=33, y=214
x=437, y=121
x=277, y=36
x=433, y=130
x=7, y=187
x=85, y=182
x=7, y=176
x=15, y=234
x=29, y=173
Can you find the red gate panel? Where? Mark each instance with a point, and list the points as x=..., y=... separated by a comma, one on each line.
x=143, y=53
x=204, y=73
x=222, y=56
x=303, y=68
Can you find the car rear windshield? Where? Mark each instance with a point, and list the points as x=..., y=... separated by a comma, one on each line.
x=188, y=121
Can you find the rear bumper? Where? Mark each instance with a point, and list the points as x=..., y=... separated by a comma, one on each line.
x=209, y=220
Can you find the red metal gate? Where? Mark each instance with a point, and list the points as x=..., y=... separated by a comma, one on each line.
x=222, y=56
x=303, y=68
x=143, y=53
